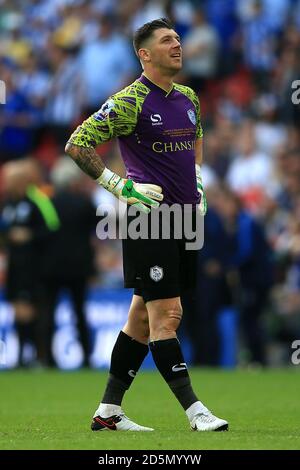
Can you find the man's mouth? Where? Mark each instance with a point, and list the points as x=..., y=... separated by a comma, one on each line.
x=177, y=55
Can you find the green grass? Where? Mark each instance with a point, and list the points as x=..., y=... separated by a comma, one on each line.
x=52, y=410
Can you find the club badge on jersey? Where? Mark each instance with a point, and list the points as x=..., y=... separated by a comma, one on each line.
x=192, y=116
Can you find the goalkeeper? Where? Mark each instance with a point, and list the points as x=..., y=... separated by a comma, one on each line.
x=157, y=123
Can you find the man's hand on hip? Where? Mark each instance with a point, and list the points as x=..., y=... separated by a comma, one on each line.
x=141, y=195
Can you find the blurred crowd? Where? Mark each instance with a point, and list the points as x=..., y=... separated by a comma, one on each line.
x=61, y=59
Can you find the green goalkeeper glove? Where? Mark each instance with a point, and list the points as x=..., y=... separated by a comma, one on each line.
x=203, y=202
x=140, y=195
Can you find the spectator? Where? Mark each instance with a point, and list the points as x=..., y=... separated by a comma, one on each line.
x=250, y=170
x=64, y=266
x=65, y=96
x=201, y=52
x=17, y=119
x=249, y=264
x=27, y=228
x=106, y=64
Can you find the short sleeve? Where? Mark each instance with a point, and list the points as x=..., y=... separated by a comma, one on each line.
x=117, y=117
x=199, y=130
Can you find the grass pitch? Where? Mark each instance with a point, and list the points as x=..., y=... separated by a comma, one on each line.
x=52, y=410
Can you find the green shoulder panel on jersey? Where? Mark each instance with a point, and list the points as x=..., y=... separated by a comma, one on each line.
x=117, y=117
x=189, y=93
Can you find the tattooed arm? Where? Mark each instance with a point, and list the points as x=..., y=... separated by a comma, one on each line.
x=87, y=159
x=141, y=195
x=110, y=121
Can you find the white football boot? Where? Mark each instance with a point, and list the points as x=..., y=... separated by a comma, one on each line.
x=112, y=418
x=201, y=419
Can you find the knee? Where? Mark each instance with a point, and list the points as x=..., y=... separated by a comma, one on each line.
x=172, y=318
x=137, y=325
x=144, y=326
x=166, y=323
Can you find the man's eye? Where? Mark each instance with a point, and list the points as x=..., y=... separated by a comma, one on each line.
x=170, y=39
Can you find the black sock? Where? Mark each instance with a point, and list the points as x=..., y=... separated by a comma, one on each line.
x=126, y=359
x=169, y=360
x=26, y=334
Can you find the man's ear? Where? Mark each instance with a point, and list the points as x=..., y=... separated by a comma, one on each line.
x=144, y=55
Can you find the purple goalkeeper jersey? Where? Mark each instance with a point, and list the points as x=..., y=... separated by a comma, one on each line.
x=157, y=132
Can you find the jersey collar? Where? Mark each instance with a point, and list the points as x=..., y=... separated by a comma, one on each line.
x=146, y=81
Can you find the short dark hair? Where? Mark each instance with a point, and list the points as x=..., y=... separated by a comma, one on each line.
x=145, y=31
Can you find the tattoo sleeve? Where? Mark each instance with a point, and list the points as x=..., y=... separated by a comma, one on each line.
x=87, y=159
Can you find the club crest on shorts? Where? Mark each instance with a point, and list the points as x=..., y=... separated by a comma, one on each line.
x=192, y=116
x=156, y=273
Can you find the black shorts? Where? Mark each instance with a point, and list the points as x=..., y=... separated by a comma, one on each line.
x=158, y=268
x=22, y=282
